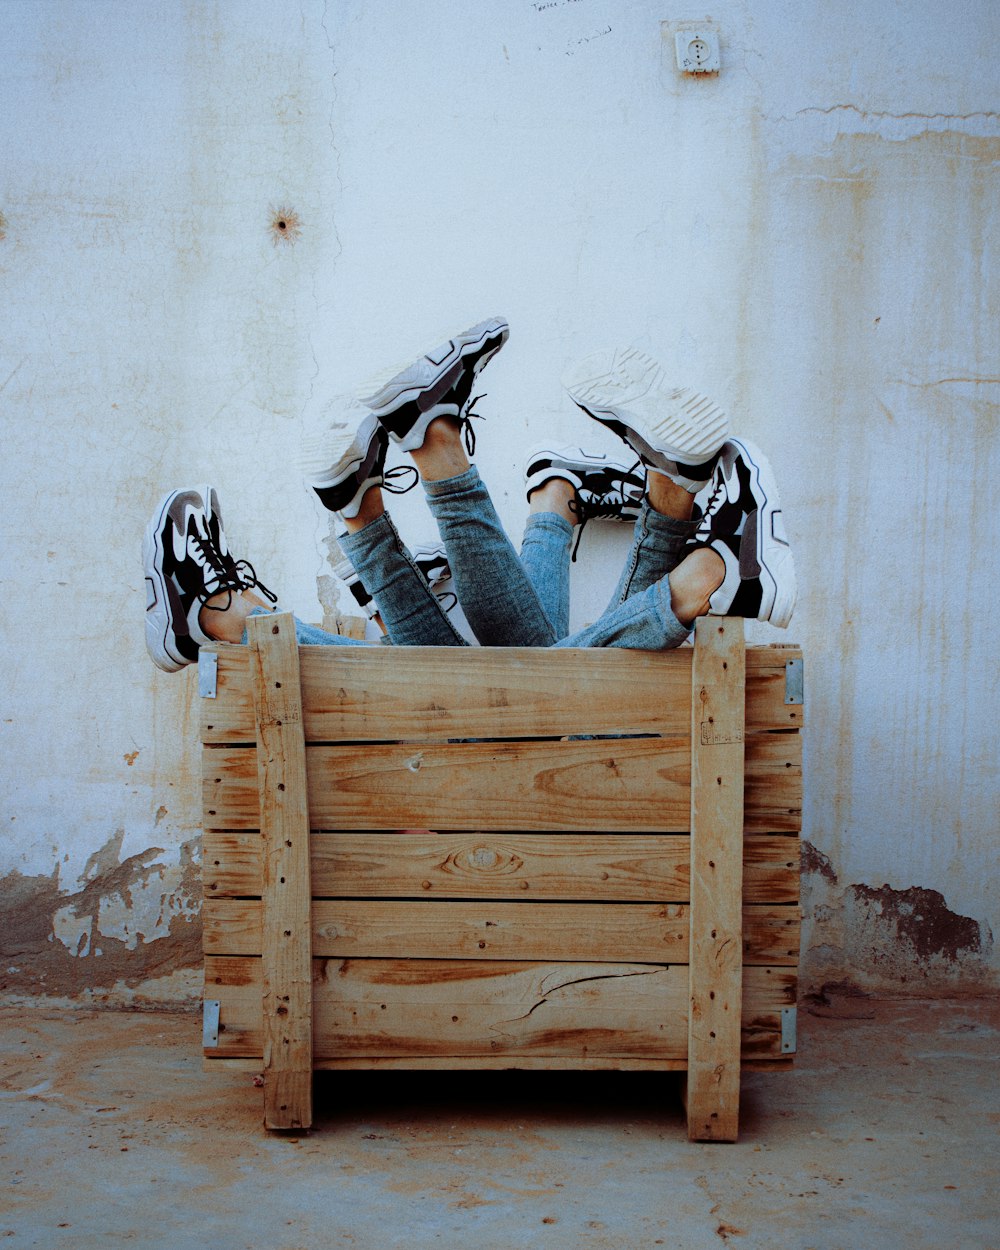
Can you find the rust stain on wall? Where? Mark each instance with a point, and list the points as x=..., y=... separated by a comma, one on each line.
x=814, y=861
x=286, y=226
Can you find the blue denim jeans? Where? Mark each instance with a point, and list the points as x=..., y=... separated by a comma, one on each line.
x=510, y=601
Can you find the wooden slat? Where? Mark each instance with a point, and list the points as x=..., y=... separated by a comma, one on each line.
x=581, y=867
x=560, y=932
x=458, y=1063
x=772, y=793
x=426, y=693
x=505, y=1063
x=715, y=965
x=626, y=785
x=393, y=1008
x=771, y=872
x=286, y=891
x=361, y=695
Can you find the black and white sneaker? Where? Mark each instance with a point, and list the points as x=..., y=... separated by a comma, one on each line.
x=432, y=564
x=439, y=384
x=347, y=573
x=344, y=457
x=187, y=561
x=604, y=487
x=743, y=523
x=674, y=430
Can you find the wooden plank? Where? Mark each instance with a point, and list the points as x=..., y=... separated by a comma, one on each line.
x=286, y=890
x=427, y=693
x=490, y=1063
x=583, y=867
x=380, y=693
x=555, y=932
x=631, y=785
x=715, y=965
x=560, y=932
x=408, y=1008
x=627, y=785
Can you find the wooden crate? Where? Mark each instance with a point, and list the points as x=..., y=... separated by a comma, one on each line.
x=612, y=880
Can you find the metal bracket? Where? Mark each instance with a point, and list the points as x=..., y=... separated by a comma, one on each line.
x=794, y=681
x=788, y=1027
x=210, y=1023
x=208, y=674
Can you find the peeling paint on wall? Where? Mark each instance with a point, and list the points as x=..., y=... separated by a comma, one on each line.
x=881, y=937
x=130, y=920
x=912, y=927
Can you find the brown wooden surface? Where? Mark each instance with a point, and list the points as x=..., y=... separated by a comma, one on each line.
x=286, y=888
x=627, y=785
x=367, y=1008
x=581, y=867
x=493, y=1063
x=378, y=929
x=427, y=693
x=715, y=961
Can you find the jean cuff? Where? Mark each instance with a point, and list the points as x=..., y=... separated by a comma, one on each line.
x=453, y=485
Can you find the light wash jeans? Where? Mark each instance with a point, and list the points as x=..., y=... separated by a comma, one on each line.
x=510, y=601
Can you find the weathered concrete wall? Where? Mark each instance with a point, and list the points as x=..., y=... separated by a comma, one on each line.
x=215, y=216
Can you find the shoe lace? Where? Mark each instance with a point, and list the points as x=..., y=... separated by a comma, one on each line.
x=465, y=417
x=393, y=479
x=226, y=574
x=716, y=498
x=607, y=504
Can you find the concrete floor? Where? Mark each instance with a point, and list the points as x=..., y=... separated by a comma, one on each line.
x=883, y=1136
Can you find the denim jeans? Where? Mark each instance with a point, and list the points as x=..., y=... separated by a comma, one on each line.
x=510, y=601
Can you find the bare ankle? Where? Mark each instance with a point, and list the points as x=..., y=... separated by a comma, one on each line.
x=223, y=617
x=558, y=496
x=441, y=455
x=667, y=497
x=693, y=582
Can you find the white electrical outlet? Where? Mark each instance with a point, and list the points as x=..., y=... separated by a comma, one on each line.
x=697, y=51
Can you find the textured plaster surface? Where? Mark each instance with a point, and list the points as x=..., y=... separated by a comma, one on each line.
x=217, y=218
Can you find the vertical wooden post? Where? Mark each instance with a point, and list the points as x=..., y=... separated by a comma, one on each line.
x=286, y=890
x=718, y=683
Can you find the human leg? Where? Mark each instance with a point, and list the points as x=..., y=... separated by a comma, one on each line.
x=344, y=462
x=426, y=409
x=566, y=488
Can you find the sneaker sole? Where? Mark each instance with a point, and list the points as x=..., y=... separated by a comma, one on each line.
x=774, y=554
x=323, y=455
x=569, y=463
x=431, y=371
x=672, y=422
x=160, y=634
